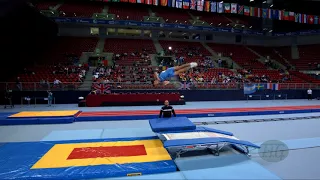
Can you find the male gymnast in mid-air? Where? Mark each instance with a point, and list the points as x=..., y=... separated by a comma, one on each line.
x=164, y=76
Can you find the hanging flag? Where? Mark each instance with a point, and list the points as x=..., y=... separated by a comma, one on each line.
x=249, y=88
x=164, y=2
x=186, y=4
x=252, y=9
x=155, y=2
x=140, y=1
x=296, y=17
x=270, y=13
x=281, y=13
x=258, y=12
x=220, y=7
x=316, y=20
x=173, y=3
x=200, y=5
x=115, y=0
x=149, y=2
x=207, y=6
x=291, y=16
x=179, y=4
x=275, y=14
x=310, y=19
x=240, y=9
x=193, y=4
x=132, y=1
x=213, y=6
x=264, y=13
x=227, y=8
x=304, y=18
x=123, y=1
x=246, y=11
x=286, y=15
x=234, y=8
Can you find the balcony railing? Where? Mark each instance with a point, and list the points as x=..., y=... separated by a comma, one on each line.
x=75, y=86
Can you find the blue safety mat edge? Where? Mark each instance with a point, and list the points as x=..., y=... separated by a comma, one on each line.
x=199, y=129
x=198, y=115
x=19, y=157
x=186, y=142
x=29, y=121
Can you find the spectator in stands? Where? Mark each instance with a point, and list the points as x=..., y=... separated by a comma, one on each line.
x=219, y=62
x=309, y=94
x=18, y=83
x=56, y=82
x=167, y=110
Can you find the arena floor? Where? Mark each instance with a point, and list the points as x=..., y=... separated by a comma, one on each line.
x=302, y=137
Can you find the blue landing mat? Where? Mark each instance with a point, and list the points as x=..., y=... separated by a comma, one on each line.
x=236, y=166
x=18, y=158
x=74, y=135
x=28, y=121
x=198, y=115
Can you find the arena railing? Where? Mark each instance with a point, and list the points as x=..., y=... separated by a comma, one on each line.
x=67, y=86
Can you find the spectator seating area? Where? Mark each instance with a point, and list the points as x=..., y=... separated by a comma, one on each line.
x=191, y=51
x=45, y=5
x=79, y=10
x=216, y=20
x=126, y=12
x=240, y=54
x=170, y=15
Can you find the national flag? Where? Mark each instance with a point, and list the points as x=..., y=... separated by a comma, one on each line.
x=102, y=88
x=234, y=8
x=227, y=8
x=164, y=2
x=249, y=88
x=149, y=2
x=270, y=86
x=291, y=16
x=193, y=4
x=310, y=19
x=258, y=12
x=186, y=4
x=200, y=5
x=132, y=1
x=240, y=9
x=115, y=0
x=275, y=14
x=296, y=17
x=213, y=6
x=264, y=13
x=179, y=4
x=123, y=0
x=184, y=86
x=281, y=15
x=207, y=6
x=246, y=11
x=316, y=20
x=304, y=18
x=252, y=9
x=286, y=15
x=270, y=13
x=260, y=86
x=273, y=86
x=220, y=7
x=173, y=3
x=140, y=1
x=155, y=2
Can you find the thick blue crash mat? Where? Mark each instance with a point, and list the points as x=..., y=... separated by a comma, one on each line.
x=171, y=124
x=73, y=159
